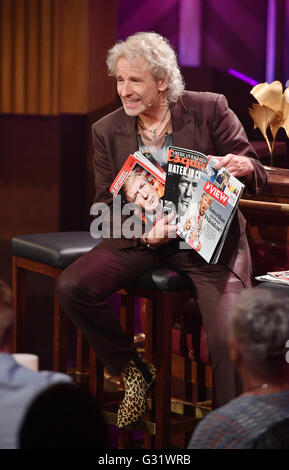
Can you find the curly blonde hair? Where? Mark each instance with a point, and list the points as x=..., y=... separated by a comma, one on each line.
x=157, y=51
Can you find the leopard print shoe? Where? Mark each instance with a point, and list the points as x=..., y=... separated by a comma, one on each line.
x=134, y=404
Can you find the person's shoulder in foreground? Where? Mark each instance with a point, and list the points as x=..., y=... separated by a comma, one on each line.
x=18, y=387
x=238, y=424
x=64, y=416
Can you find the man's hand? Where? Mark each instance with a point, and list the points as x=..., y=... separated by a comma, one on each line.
x=194, y=239
x=237, y=165
x=188, y=224
x=162, y=232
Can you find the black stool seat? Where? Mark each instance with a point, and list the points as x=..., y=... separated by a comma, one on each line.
x=277, y=287
x=164, y=279
x=58, y=249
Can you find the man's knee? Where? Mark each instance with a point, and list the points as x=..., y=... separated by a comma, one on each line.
x=78, y=286
x=66, y=288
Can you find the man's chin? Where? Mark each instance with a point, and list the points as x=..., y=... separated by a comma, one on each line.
x=183, y=208
x=132, y=111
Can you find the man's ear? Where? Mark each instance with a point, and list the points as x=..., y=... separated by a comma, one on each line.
x=163, y=84
x=235, y=353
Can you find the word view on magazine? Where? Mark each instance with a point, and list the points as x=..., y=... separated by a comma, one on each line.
x=204, y=199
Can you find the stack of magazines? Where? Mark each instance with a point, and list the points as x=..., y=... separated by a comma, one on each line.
x=202, y=198
x=281, y=277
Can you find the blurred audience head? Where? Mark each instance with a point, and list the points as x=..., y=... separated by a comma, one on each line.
x=275, y=437
x=259, y=333
x=64, y=416
x=6, y=317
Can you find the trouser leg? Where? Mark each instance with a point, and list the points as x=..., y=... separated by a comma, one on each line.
x=83, y=288
x=217, y=290
x=216, y=299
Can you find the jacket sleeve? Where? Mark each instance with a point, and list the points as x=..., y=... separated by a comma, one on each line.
x=104, y=175
x=230, y=137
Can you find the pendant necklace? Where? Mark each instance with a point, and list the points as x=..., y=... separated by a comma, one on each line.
x=154, y=131
x=262, y=386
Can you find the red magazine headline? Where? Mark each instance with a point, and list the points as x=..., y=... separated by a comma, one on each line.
x=130, y=162
x=216, y=193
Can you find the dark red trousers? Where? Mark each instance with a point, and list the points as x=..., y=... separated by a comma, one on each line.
x=84, y=286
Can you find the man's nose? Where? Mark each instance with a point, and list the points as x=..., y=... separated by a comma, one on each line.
x=190, y=189
x=144, y=193
x=125, y=89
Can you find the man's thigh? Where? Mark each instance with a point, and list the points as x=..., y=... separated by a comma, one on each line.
x=217, y=289
x=102, y=271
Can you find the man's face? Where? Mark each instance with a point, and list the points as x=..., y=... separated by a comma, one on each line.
x=206, y=201
x=186, y=189
x=141, y=192
x=136, y=85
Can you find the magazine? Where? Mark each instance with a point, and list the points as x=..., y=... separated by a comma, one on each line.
x=203, y=198
x=141, y=182
x=281, y=277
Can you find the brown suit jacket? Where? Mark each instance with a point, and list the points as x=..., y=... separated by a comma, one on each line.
x=201, y=121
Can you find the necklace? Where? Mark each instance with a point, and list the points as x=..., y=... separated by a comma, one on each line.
x=154, y=131
x=263, y=386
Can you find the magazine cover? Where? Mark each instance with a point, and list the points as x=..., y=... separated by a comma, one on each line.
x=141, y=182
x=281, y=277
x=184, y=173
x=204, y=199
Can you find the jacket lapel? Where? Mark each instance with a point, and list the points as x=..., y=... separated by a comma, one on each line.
x=126, y=138
x=183, y=123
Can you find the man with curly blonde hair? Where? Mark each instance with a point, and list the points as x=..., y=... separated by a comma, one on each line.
x=157, y=112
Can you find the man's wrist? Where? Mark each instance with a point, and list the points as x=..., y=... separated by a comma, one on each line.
x=145, y=240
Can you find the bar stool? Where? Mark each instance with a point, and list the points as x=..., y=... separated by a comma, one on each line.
x=166, y=292
x=47, y=254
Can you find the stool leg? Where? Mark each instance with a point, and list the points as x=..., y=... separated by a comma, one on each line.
x=82, y=359
x=149, y=440
x=127, y=314
x=201, y=380
x=60, y=335
x=125, y=439
x=188, y=410
x=96, y=378
x=19, y=305
x=163, y=339
x=127, y=324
